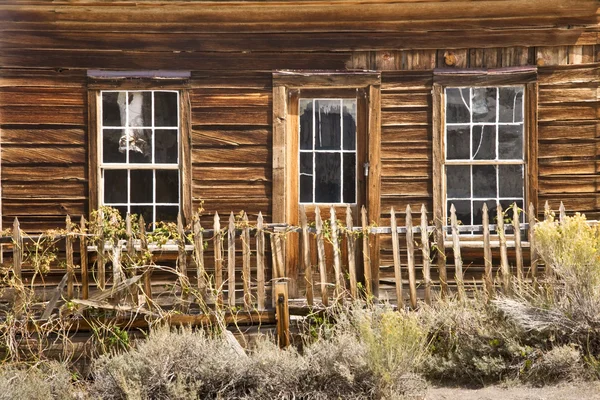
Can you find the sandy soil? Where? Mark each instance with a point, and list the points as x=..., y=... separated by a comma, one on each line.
x=578, y=391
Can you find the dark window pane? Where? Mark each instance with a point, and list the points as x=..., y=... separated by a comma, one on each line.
x=484, y=142
x=457, y=105
x=484, y=104
x=511, y=180
x=306, y=124
x=349, y=124
x=458, y=181
x=139, y=108
x=457, y=143
x=510, y=142
x=484, y=181
x=165, y=142
x=327, y=179
x=139, y=142
x=349, y=178
x=115, y=186
x=328, y=129
x=167, y=186
x=167, y=213
x=165, y=109
x=122, y=210
x=111, y=152
x=508, y=212
x=478, y=213
x=141, y=186
x=511, y=104
x=146, y=212
x=306, y=177
x=463, y=211
x=111, y=112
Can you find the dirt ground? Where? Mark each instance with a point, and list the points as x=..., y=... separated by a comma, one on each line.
x=575, y=391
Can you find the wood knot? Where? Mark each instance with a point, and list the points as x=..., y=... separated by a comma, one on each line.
x=449, y=59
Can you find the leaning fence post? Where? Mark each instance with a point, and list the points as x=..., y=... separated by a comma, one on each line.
x=17, y=264
x=533, y=256
x=282, y=313
x=218, y=254
x=561, y=213
x=396, y=256
x=147, y=270
x=410, y=255
x=337, y=259
x=246, y=263
x=321, y=256
x=199, y=256
x=100, y=263
x=306, y=257
x=487, y=252
x=503, y=252
x=231, y=261
x=69, y=256
x=366, y=254
x=260, y=263
x=458, y=270
x=518, y=249
x=426, y=254
x=83, y=252
x=441, y=256
x=181, y=255
x=351, y=244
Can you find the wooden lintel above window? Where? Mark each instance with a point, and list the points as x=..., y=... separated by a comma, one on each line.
x=487, y=77
x=301, y=79
x=100, y=79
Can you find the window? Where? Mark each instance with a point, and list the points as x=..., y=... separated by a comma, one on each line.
x=140, y=159
x=485, y=143
x=484, y=157
x=139, y=163
x=327, y=151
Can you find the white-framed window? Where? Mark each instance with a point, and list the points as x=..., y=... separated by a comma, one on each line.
x=484, y=154
x=327, y=151
x=138, y=152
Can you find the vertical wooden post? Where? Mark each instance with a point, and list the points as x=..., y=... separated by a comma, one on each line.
x=547, y=211
x=246, y=263
x=69, y=256
x=321, y=256
x=441, y=256
x=337, y=259
x=83, y=252
x=366, y=254
x=410, y=254
x=396, y=256
x=131, y=255
x=280, y=262
x=306, y=257
x=231, y=261
x=260, y=263
x=351, y=245
x=100, y=259
x=199, y=256
x=487, y=253
x=17, y=265
x=561, y=213
x=533, y=256
x=426, y=254
x=116, y=258
x=518, y=249
x=181, y=255
x=503, y=252
x=282, y=313
x=218, y=254
x=147, y=270
x=458, y=266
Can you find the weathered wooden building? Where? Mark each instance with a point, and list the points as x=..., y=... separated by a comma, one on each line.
x=156, y=107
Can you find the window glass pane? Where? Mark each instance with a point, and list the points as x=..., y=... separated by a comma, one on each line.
x=146, y=212
x=484, y=181
x=165, y=109
x=306, y=124
x=457, y=143
x=484, y=142
x=115, y=186
x=306, y=177
x=140, y=145
x=478, y=213
x=327, y=177
x=139, y=108
x=165, y=142
x=508, y=213
x=511, y=104
x=510, y=142
x=141, y=186
x=122, y=210
x=457, y=106
x=484, y=104
x=458, y=181
x=328, y=129
x=111, y=152
x=349, y=124
x=511, y=180
x=463, y=211
x=349, y=178
x=111, y=112
x=167, y=213
x=167, y=186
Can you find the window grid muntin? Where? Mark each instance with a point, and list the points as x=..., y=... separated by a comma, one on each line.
x=496, y=162
x=315, y=151
x=153, y=166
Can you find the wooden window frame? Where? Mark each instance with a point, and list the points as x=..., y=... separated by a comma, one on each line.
x=286, y=85
x=523, y=76
x=114, y=82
